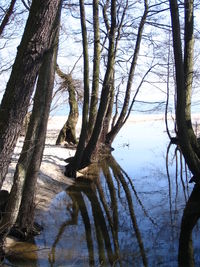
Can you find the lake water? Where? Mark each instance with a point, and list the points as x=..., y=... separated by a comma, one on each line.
x=129, y=215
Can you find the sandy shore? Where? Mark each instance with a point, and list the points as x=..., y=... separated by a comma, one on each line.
x=51, y=179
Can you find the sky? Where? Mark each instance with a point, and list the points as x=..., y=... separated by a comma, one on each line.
x=153, y=90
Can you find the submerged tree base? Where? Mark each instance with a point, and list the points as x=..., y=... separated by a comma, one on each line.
x=25, y=234
x=102, y=152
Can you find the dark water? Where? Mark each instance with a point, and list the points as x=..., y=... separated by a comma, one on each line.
x=129, y=215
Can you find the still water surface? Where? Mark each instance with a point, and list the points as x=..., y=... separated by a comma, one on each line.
x=129, y=215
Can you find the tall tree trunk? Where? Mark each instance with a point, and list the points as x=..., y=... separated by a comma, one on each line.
x=68, y=132
x=105, y=94
x=102, y=122
x=35, y=43
x=84, y=153
x=108, y=116
x=102, y=148
x=38, y=126
x=121, y=120
x=25, y=178
x=96, y=64
x=184, y=91
x=188, y=69
x=186, y=137
x=75, y=164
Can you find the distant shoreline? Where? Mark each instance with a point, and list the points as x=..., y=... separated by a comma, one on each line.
x=57, y=121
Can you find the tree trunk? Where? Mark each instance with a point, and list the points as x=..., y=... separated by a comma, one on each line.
x=97, y=138
x=121, y=120
x=183, y=93
x=36, y=136
x=25, y=178
x=105, y=95
x=68, y=132
x=188, y=70
x=186, y=137
x=96, y=65
x=75, y=164
x=102, y=148
x=35, y=43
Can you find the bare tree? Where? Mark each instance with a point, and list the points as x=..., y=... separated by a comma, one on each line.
x=99, y=136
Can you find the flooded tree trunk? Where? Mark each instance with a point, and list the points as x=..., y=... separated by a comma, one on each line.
x=100, y=140
x=184, y=69
x=105, y=137
x=186, y=137
x=35, y=43
x=74, y=165
x=96, y=141
x=105, y=95
x=106, y=125
x=123, y=115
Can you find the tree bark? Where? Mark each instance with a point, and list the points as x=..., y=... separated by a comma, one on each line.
x=96, y=69
x=188, y=70
x=25, y=178
x=36, y=41
x=35, y=139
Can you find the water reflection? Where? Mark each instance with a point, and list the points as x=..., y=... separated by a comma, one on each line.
x=191, y=213
x=110, y=219
x=106, y=209
x=190, y=217
x=180, y=177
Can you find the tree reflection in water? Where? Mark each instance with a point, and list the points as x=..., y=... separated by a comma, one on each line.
x=191, y=213
x=93, y=222
x=105, y=205
x=181, y=171
x=190, y=217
